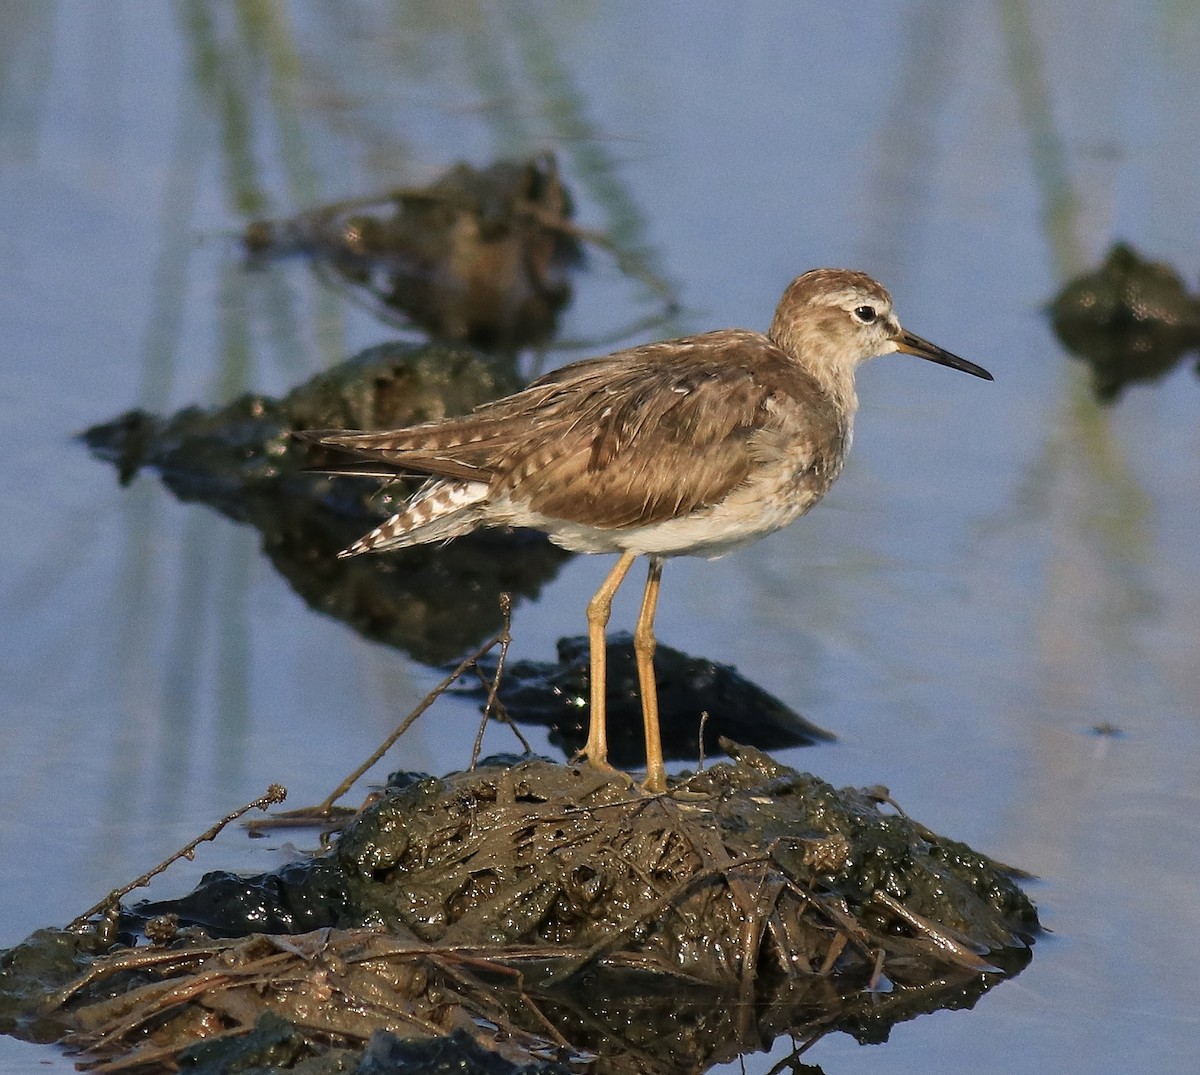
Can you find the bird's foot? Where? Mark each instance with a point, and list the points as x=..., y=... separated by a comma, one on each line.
x=655, y=782
x=604, y=766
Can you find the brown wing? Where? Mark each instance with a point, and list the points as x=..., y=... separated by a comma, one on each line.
x=483, y=443
x=657, y=432
x=638, y=436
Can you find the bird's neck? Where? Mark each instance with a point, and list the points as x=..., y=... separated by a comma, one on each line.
x=807, y=342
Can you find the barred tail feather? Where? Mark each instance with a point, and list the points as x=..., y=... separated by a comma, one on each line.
x=440, y=511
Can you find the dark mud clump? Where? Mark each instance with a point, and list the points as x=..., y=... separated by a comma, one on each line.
x=550, y=913
x=562, y=855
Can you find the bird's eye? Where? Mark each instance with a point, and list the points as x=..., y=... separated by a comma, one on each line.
x=865, y=314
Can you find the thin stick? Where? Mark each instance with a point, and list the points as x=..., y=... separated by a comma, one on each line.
x=326, y=805
x=876, y=972
x=950, y=948
x=505, y=637
x=501, y=712
x=276, y=793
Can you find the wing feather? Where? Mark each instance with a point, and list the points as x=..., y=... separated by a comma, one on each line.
x=636, y=437
x=665, y=433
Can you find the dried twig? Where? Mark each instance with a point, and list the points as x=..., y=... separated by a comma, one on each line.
x=505, y=639
x=324, y=809
x=276, y=793
x=946, y=946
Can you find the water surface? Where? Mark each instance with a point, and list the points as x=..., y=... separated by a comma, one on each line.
x=1000, y=569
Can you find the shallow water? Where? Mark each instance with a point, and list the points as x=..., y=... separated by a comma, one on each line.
x=1000, y=569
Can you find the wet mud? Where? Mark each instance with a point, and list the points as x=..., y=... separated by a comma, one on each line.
x=547, y=913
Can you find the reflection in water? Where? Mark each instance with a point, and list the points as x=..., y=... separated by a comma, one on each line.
x=478, y=256
x=1047, y=150
x=241, y=459
x=1129, y=320
x=910, y=148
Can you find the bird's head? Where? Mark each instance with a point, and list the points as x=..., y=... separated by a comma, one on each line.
x=833, y=319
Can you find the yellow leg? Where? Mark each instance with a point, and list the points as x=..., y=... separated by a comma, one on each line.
x=643, y=648
x=598, y=611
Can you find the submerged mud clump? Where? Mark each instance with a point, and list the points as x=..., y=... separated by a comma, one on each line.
x=1130, y=320
x=552, y=914
x=242, y=460
x=555, y=695
x=223, y=454
x=481, y=255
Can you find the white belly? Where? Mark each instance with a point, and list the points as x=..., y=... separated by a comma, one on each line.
x=742, y=517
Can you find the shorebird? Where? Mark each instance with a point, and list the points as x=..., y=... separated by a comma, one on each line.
x=691, y=446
